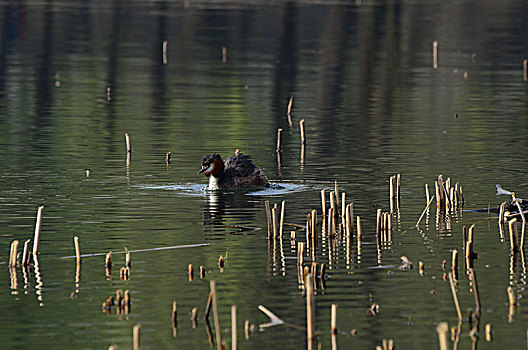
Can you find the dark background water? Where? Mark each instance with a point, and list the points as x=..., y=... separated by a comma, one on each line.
x=362, y=79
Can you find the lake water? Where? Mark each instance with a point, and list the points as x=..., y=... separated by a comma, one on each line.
x=76, y=76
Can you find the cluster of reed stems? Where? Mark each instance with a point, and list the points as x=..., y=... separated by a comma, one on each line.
x=121, y=302
x=447, y=197
x=25, y=258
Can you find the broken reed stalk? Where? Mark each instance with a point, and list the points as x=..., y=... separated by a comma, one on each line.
x=525, y=70
x=336, y=193
x=426, y=193
x=128, y=262
x=216, y=315
x=489, y=332
x=333, y=325
x=511, y=296
x=233, y=327
x=37, y=230
x=343, y=209
x=470, y=254
x=224, y=54
x=279, y=137
x=136, y=336
x=473, y=279
x=455, y=297
x=77, y=250
x=208, y=306
x=323, y=204
x=290, y=104
x=435, y=54
x=13, y=254
x=502, y=209
x=423, y=213
x=174, y=312
x=268, y=217
x=523, y=222
x=359, y=235
x=190, y=269
x=108, y=259
x=128, y=145
x=281, y=227
x=442, y=329
x=514, y=238
x=303, y=135
x=168, y=158
x=378, y=223
x=349, y=220
x=310, y=308
x=274, y=219
x=165, y=44
x=454, y=264
x=26, y=253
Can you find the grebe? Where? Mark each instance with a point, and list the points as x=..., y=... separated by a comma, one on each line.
x=237, y=171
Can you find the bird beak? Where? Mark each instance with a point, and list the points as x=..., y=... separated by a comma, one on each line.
x=207, y=170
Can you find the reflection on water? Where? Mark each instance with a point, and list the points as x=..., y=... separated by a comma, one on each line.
x=75, y=77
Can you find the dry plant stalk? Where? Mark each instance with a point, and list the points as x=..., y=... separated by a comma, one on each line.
x=233, y=327
x=455, y=297
x=281, y=227
x=13, y=254
x=216, y=315
x=128, y=144
x=302, y=128
x=310, y=308
x=333, y=325
x=279, y=137
x=443, y=337
x=136, y=336
x=274, y=220
x=36, y=238
x=514, y=238
x=164, y=51
x=77, y=250
x=268, y=217
x=26, y=253
x=208, y=306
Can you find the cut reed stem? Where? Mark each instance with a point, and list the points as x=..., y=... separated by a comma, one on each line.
x=164, y=50
x=233, y=327
x=128, y=144
x=13, y=254
x=435, y=54
x=310, y=308
x=37, y=231
x=514, y=238
x=136, y=336
x=208, y=306
x=303, y=135
x=455, y=297
x=26, y=253
x=333, y=325
x=216, y=315
x=443, y=329
x=174, y=312
x=77, y=250
x=424, y=211
x=268, y=217
x=281, y=227
x=279, y=137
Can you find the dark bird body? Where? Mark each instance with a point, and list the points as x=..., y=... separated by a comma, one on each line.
x=237, y=171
